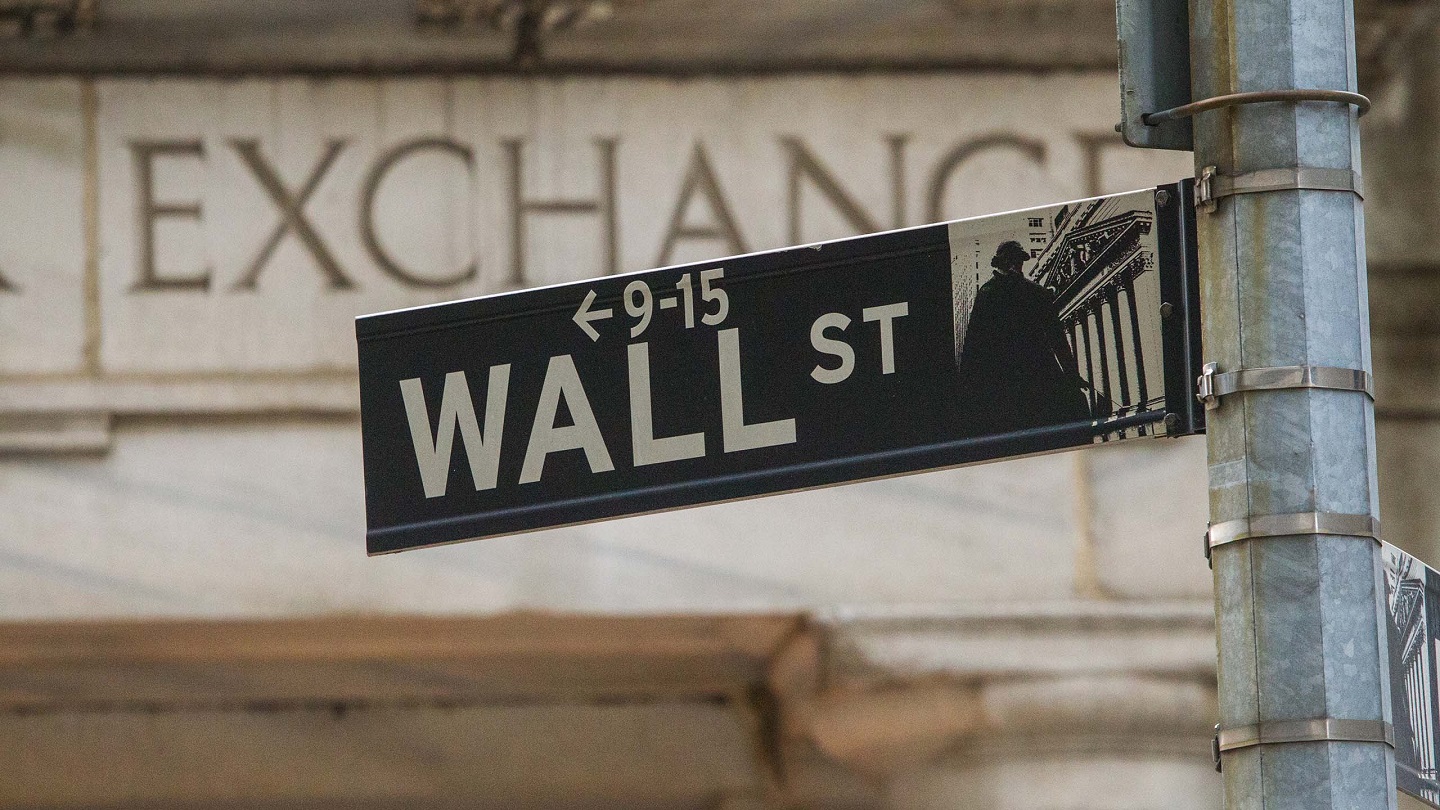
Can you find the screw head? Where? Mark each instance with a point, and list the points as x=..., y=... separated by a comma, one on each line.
x=1162, y=197
x=1166, y=309
x=1172, y=422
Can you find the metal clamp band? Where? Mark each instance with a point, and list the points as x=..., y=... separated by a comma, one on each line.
x=1324, y=729
x=1289, y=525
x=1254, y=97
x=1211, y=185
x=1212, y=385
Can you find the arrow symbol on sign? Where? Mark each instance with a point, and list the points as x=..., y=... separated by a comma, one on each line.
x=584, y=315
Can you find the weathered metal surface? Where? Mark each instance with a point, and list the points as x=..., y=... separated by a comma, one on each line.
x=1301, y=634
x=1154, y=71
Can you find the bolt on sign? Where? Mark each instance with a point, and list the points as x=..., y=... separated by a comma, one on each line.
x=899, y=352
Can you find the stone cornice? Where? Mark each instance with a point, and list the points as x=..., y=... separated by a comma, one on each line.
x=880, y=689
x=631, y=37
x=381, y=660
x=1024, y=639
x=877, y=691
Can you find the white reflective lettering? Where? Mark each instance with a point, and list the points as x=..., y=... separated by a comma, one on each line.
x=561, y=379
x=456, y=407
x=886, y=315
x=648, y=449
x=839, y=348
x=738, y=435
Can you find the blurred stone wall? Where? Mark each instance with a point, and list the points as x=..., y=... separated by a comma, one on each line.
x=181, y=358
x=187, y=617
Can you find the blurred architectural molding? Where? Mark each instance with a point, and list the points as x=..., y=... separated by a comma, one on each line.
x=62, y=432
x=508, y=15
x=831, y=706
x=528, y=21
x=887, y=690
x=577, y=36
x=45, y=19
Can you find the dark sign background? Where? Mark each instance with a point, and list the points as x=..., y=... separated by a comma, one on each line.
x=869, y=425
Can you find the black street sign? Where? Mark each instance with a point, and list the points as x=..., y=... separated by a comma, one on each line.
x=899, y=352
x=1412, y=601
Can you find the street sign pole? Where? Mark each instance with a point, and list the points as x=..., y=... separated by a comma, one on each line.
x=1304, y=692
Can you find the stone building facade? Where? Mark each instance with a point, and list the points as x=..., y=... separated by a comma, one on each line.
x=198, y=203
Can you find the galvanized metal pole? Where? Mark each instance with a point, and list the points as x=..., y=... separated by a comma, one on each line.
x=1300, y=629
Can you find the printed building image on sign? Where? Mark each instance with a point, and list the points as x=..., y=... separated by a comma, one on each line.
x=899, y=352
x=1052, y=329
x=1412, y=596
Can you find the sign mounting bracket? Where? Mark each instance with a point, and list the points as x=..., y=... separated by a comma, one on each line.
x=1212, y=384
x=1211, y=185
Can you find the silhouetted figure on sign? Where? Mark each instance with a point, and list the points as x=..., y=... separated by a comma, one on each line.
x=1016, y=368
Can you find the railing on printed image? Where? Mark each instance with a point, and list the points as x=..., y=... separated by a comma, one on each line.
x=1095, y=264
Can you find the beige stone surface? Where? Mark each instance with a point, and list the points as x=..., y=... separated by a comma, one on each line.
x=1148, y=511
x=43, y=309
x=887, y=729
x=1067, y=781
x=589, y=711
x=965, y=535
x=1402, y=164
x=1136, y=704
x=76, y=431
x=1407, y=389
x=257, y=517
x=647, y=755
x=524, y=657
x=1409, y=455
x=883, y=732
x=272, y=395
x=1405, y=342
x=1030, y=638
x=211, y=298
x=1407, y=371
